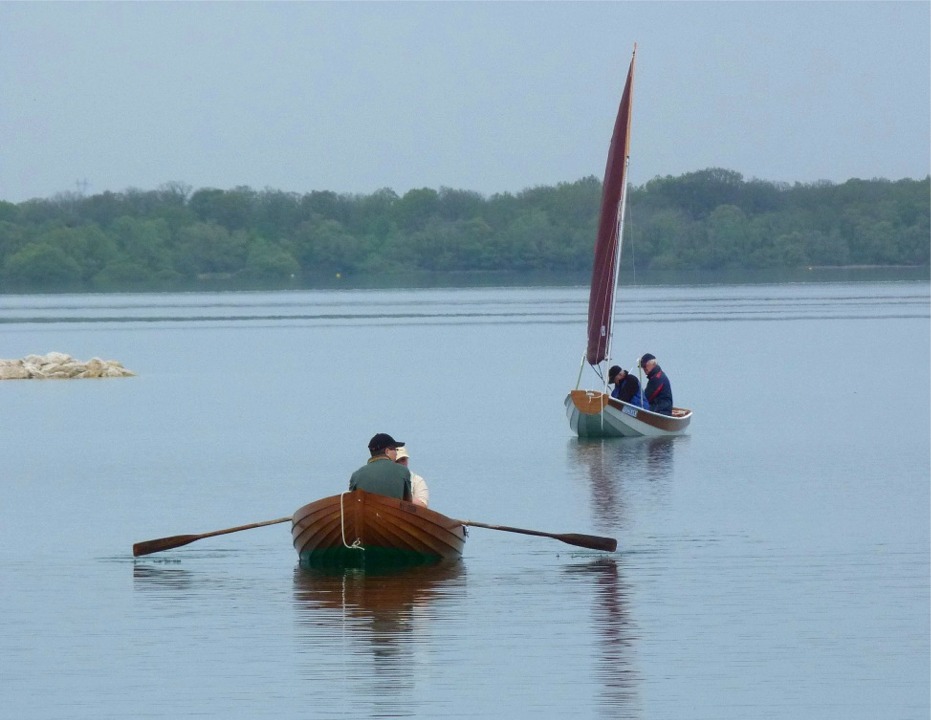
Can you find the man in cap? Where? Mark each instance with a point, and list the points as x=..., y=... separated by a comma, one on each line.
x=419, y=491
x=659, y=390
x=381, y=474
x=626, y=386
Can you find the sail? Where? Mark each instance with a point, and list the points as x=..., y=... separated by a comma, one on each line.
x=608, y=241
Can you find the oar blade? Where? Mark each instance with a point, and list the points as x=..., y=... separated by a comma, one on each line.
x=147, y=547
x=592, y=542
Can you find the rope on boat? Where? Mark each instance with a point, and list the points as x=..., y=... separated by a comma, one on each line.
x=357, y=543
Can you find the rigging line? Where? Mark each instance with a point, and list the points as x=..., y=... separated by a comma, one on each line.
x=619, y=230
x=630, y=235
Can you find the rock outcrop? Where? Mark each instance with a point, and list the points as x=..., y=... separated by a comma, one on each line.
x=57, y=365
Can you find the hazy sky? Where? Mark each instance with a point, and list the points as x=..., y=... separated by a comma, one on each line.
x=485, y=96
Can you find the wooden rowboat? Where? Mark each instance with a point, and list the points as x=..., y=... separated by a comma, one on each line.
x=362, y=529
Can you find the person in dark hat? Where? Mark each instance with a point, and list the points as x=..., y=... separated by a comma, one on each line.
x=381, y=474
x=659, y=390
x=626, y=386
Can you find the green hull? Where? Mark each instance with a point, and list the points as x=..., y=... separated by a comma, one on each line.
x=368, y=558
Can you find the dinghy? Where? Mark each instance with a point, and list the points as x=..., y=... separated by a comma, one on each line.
x=362, y=529
x=594, y=413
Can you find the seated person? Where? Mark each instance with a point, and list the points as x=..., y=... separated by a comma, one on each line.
x=659, y=389
x=381, y=475
x=419, y=489
x=626, y=386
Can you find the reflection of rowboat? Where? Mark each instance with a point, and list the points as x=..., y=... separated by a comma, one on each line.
x=361, y=529
x=388, y=611
x=365, y=594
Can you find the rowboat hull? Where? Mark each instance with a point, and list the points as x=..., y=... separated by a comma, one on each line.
x=361, y=529
x=594, y=414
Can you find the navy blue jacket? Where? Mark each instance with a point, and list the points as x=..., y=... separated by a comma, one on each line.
x=659, y=391
x=628, y=390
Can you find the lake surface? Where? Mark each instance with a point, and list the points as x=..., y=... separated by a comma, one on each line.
x=773, y=563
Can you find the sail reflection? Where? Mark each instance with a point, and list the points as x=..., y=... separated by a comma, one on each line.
x=615, y=466
x=616, y=635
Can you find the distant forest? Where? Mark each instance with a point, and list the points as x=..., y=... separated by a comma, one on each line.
x=714, y=219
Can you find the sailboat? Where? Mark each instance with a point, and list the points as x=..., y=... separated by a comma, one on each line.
x=594, y=413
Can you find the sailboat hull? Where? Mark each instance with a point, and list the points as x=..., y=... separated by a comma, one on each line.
x=594, y=414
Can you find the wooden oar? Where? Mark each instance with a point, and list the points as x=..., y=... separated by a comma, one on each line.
x=587, y=541
x=147, y=547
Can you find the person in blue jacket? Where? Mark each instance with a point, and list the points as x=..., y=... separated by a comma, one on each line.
x=626, y=386
x=659, y=390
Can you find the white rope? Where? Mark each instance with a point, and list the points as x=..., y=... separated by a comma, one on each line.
x=357, y=544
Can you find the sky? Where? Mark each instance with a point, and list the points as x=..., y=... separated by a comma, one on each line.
x=491, y=97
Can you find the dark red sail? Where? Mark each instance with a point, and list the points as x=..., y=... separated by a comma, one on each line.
x=607, y=244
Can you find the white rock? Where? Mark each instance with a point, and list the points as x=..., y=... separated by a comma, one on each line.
x=13, y=370
x=60, y=365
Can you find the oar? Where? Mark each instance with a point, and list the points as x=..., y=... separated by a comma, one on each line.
x=587, y=541
x=147, y=547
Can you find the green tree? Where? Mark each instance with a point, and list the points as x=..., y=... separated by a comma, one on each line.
x=207, y=248
x=325, y=246
x=13, y=237
x=42, y=266
x=267, y=261
x=145, y=247
x=728, y=236
x=8, y=211
x=232, y=209
x=416, y=208
x=654, y=242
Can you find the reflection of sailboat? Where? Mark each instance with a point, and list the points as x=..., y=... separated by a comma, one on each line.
x=610, y=464
x=594, y=413
x=616, y=634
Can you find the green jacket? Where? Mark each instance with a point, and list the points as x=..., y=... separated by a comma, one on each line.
x=384, y=477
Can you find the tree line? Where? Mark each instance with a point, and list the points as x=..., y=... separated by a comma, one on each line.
x=713, y=219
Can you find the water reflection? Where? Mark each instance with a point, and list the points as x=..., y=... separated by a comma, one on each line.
x=612, y=461
x=150, y=578
x=385, y=616
x=615, y=632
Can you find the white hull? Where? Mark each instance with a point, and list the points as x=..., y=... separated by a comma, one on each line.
x=593, y=414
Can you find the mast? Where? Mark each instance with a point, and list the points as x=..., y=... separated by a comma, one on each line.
x=620, y=248
x=610, y=228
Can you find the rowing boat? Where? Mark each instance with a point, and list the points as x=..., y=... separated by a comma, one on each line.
x=362, y=529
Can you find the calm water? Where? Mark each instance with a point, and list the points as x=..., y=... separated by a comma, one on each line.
x=774, y=563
